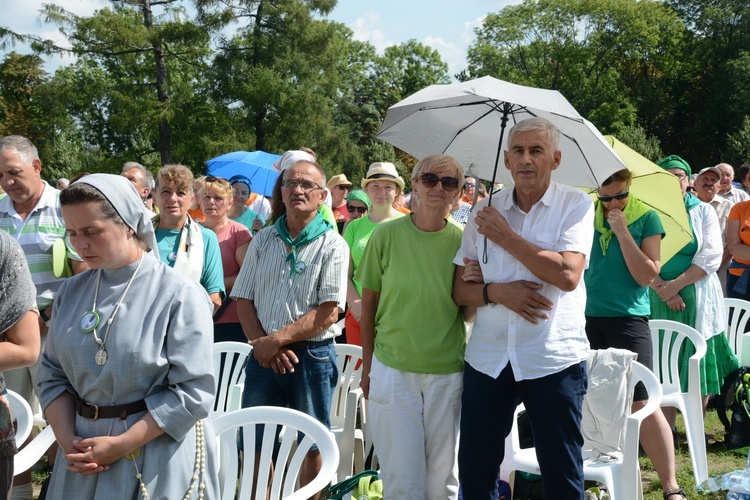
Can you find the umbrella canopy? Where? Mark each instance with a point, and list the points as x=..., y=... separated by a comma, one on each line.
x=256, y=166
x=661, y=191
x=467, y=121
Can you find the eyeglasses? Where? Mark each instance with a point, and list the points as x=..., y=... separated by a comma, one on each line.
x=352, y=209
x=344, y=187
x=219, y=180
x=307, y=186
x=431, y=180
x=469, y=184
x=618, y=196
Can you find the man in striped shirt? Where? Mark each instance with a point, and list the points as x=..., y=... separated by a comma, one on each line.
x=30, y=212
x=289, y=293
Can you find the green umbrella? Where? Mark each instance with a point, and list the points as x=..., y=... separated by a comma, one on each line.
x=661, y=191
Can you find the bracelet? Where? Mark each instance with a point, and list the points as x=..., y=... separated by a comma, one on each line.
x=485, y=296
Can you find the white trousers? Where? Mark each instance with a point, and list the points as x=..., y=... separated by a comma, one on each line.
x=414, y=420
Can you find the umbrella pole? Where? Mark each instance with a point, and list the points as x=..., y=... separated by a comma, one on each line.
x=503, y=122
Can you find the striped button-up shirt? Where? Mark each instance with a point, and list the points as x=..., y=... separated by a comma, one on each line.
x=42, y=227
x=279, y=298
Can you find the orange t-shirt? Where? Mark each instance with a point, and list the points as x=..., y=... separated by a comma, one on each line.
x=741, y=212
x=197, y=215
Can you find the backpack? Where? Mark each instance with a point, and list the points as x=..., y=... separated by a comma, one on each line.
x=735, y=397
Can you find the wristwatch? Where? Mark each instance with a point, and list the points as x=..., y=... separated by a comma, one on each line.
x=44, y=317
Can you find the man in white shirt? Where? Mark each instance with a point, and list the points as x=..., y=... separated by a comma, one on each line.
x=707, y=189
x=529, y=342
x=727, y=190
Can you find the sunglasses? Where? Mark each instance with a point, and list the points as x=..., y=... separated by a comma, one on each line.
x=219, y=180
x=352, y=209
x=344, y=187
x=431, y=180
x=618, y=196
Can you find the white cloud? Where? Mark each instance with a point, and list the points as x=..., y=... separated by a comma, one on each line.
x=366, y=29
x=451, y=54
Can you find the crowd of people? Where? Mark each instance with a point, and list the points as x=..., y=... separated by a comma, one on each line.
x=115, y=286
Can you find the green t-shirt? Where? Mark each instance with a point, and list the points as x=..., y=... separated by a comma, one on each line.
x=418, y=327
x=610, y=288
x=247, y=217
x=212, y=275
x=357, y=235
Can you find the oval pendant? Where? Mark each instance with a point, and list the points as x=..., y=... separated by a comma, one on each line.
x=101, y=357
x=299, y=267
x=172, y=257
x=134, y=454
x=89, y=321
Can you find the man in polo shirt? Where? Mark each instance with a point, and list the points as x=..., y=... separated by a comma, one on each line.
x=31, y=213
x=529, y=342
x=289, y=293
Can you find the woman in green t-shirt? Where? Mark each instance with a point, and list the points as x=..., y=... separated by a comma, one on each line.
x=625, y=257
x=413, y=339
x=382, y=185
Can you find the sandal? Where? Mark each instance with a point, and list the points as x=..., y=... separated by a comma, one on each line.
x=677, y=491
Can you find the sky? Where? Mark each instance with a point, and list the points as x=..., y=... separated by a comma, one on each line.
x=445, y=25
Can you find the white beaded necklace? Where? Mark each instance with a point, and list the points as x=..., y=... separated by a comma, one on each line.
x=199, y=468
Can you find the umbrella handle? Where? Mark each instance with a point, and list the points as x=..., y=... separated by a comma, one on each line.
x=507, y=107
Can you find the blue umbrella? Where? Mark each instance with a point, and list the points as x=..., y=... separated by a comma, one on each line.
x=256, y=166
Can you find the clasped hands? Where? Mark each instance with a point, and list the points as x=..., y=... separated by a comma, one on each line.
x=93, y=455
x=668, y=291
x=271, y=354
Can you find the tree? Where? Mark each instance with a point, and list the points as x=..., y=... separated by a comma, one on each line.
x=609, y=58
x=21, y=76
x=738, y=145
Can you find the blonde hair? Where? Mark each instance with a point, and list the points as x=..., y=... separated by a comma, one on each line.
x=432, y=163
x=178, y=175
x=223, y=189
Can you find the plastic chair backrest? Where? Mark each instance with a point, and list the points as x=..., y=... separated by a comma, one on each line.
x=738, y=323
x=237, y=478
x=667, y=338
x=349, y=362
x=229, y=370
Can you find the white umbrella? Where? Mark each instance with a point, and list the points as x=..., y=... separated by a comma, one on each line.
x=467, y=121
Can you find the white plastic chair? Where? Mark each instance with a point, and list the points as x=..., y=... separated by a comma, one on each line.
x=30, y=455
x=21, y=413
x=622, y=477
x=346, y=400
x=666, y=364
x=229, y=376
x=738, y=328
x=236, y=476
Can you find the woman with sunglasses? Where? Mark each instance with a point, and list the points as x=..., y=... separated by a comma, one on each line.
x=689, y=279
x=357, y=205
x=625, y=257
x=234, y=238
x=381, y=185
x=413, y=356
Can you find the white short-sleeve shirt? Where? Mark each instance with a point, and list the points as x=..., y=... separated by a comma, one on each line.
x=562, y=221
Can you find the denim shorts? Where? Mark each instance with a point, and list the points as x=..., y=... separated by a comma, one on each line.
x=309, y=389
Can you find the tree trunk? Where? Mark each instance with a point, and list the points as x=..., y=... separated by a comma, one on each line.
x=165, y=132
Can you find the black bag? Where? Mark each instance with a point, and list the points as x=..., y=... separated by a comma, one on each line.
x=735, y=397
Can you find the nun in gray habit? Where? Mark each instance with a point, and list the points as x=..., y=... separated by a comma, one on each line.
x=124, y=380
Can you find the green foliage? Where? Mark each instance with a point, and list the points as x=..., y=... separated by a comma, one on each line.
x=636, y=138
x=21, y=76
x=738, y=145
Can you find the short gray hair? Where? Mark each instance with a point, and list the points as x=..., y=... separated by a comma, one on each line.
x=150, y=183
x=537, y=123
x=26, y=150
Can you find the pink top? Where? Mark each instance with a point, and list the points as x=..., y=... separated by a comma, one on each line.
x=230, y=239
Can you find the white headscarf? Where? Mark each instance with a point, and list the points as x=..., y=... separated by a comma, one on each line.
x=122, y=195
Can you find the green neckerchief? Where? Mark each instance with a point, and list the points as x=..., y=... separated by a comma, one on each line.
x=634, y=210
x=313, y=230
x=691, y=201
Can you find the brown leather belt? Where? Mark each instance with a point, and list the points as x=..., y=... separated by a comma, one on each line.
x=95, y=412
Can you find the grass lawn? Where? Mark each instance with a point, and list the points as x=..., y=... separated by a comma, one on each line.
x=719, y=462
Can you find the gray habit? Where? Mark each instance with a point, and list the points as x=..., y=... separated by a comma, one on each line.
x=159, y=350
